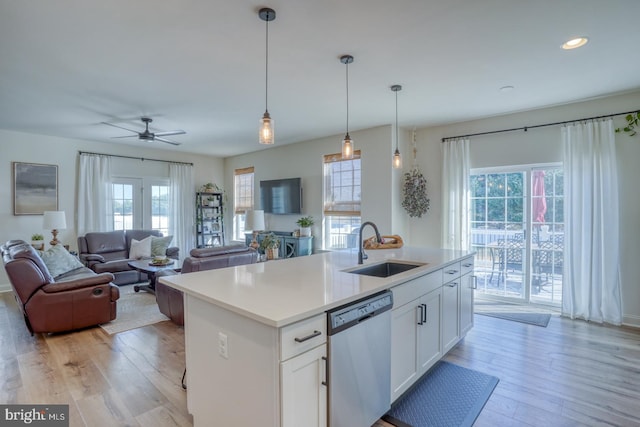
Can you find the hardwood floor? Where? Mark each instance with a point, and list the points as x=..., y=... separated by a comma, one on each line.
x=571, y=373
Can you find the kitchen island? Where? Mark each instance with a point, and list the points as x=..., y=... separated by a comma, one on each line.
x=255, y=335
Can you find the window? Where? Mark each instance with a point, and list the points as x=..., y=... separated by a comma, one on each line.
x=242, y=199
x=342, y=195
x=141, y=203
x=517, y=231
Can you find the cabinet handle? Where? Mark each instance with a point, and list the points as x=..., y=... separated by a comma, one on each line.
x=452, y=284
x=475, y=282
x=468, y=265
x=451, y=271
x=421, y=322
x=424, y=318
x=308, y=337
x=325, y=382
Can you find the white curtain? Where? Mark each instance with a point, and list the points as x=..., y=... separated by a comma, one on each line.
x=455, y=194
x=182, y=215
x=94, y=194
x=591, y=284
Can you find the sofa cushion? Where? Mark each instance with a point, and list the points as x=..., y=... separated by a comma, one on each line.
x=27, y=251
x=114, y=266
x=106, y=242
x=159, y=245
x=140, y=248
x=59, y=261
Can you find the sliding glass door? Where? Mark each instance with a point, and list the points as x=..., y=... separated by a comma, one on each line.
x=516, y=229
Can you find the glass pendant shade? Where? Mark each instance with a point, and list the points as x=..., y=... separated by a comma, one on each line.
x=347, y=147
x=397, y=160
x=266, y=133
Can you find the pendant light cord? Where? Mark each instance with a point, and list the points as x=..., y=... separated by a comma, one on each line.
x=266, y=66
x=347, y=74
x=396, y=120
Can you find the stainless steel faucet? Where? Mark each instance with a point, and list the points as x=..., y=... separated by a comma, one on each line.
x=361, y=255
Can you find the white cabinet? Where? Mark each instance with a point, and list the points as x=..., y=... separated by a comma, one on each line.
x=467, y=286
x=415, y=331
x=303, y=388
x=430, y=315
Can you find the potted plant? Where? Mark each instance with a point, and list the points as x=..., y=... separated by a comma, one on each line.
x=37, y=241
x=269, y=246
x=305, y=224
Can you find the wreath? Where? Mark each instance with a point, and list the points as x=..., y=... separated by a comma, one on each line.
x=415, y=202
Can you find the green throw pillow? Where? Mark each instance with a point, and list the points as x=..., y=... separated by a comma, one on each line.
x=159, y=245
x=59, y=261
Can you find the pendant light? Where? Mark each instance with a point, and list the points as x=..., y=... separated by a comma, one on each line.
x=397, y=160
x=266, y=132
x=347, y=143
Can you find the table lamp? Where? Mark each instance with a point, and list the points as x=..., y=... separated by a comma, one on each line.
x=254, y=221
x=54, y=221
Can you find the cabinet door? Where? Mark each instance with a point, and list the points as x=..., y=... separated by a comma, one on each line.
x=429, y=342
x=450, y=314
x=404, y=347
x=467, y=285
x=304, y=395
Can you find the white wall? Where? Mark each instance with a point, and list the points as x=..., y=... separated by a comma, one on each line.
x=305, y=160
x=31, y=148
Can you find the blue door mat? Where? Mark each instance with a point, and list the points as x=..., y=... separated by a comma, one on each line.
x=447, y=396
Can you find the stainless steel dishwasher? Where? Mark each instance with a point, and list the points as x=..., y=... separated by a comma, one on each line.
x=359, y=362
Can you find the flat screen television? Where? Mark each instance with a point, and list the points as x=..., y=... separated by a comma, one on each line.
x=281, y=196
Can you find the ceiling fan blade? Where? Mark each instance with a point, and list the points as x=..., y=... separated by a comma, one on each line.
x=127, y=136
x=171, y=132
x=167, y=141
x=119, y=127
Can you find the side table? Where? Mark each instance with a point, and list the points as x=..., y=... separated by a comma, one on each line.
x=145, y=266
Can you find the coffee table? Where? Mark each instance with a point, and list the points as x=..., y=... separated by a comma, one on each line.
x=145, y=266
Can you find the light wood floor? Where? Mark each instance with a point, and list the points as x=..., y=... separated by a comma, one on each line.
x=571, y=373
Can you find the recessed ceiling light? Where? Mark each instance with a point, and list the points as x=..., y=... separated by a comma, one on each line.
x=575, y=43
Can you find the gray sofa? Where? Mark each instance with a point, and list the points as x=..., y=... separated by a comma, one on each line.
x=109, y=252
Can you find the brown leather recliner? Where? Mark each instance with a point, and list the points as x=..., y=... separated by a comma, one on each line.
x=170, y=300
x=74, y=300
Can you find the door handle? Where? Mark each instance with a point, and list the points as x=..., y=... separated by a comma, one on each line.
x=308, y=337
x=325, y=382
x=424, y=318
x=421, y=322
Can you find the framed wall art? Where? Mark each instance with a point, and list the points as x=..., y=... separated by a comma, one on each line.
x=35, y=188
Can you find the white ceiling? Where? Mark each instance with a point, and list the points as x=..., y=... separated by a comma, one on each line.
x=199, y=65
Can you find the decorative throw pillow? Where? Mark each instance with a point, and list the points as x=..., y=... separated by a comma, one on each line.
x=59, y=261
x=159, y=245
x=140, y=248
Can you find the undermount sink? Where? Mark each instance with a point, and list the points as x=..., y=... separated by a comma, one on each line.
x=385, y=269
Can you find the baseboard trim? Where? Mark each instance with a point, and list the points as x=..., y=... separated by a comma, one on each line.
x=5, y=287
x=632, y=321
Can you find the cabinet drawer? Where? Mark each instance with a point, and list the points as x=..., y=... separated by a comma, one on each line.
x=466, y=266
x=450, y=272
x=415, y=288
x=302, y=336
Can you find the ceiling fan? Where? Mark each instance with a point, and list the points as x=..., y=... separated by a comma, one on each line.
x=149, y=136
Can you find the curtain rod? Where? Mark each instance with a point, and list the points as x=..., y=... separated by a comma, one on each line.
x=526, y=128
x=135, y=158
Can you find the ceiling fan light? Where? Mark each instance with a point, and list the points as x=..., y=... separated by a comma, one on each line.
x=266, y=133
x=347, y=147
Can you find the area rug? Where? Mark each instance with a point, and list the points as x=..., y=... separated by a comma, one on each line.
x=135, y=309
x=448, y=396
x=537, y=319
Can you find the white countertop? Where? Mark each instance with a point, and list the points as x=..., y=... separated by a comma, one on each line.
x=285, y=291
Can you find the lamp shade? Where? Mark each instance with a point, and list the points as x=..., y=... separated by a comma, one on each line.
x=54, y=220
x=254, y=220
